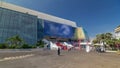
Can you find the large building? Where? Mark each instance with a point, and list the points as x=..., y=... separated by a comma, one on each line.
x=117, y=32
x=32, y=25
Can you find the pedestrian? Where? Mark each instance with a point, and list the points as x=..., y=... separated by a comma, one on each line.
x=70, y=49
x=58, y=51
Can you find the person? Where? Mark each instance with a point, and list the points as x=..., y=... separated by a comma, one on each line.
x=70, y=49
x=58, y=51
x=98, y=49
x=87, y=48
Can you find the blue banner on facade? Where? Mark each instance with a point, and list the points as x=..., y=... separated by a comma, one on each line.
x=58, y=30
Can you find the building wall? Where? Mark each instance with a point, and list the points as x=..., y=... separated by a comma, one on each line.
x=40, y=15
x=30, y=24
x=15, y=23
x=117, y=33
x=29, y=27
x=81, y=34
x=40, y=29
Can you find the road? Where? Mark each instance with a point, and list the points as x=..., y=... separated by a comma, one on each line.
x=68, y=59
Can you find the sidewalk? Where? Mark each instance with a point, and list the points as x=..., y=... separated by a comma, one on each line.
x=111, y=51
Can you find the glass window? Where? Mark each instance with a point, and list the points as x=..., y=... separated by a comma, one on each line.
x=16, y=23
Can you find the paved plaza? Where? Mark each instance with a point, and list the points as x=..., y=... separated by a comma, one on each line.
x=68, y=59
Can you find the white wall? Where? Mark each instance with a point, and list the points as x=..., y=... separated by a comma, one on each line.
x=117, y=35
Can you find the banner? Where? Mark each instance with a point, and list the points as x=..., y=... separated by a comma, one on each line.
x=58, y=30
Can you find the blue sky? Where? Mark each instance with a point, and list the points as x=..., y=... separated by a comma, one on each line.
x=96, y=16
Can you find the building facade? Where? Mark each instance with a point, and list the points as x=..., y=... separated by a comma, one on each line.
x=117, y=33
x=32, y=25
x=16, y=23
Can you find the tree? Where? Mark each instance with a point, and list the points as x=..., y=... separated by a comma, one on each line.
x=26, y=46
x=3, y=46
x=14, y=41
x=117, y=41
x=111, y=43
x=40, y=44
x=98, y=38
x=117, y=44
x=106, y=38
x=103, y=37
x=95, y=41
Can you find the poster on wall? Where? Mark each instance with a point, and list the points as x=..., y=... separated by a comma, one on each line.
x=58, y=30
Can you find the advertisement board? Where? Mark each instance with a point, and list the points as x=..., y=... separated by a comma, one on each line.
x=58, y=30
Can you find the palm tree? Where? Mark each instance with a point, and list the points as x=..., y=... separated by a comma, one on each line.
x=103, y=37
x=106, y=38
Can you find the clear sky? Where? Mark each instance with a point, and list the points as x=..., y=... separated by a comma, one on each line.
x=96, y=16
